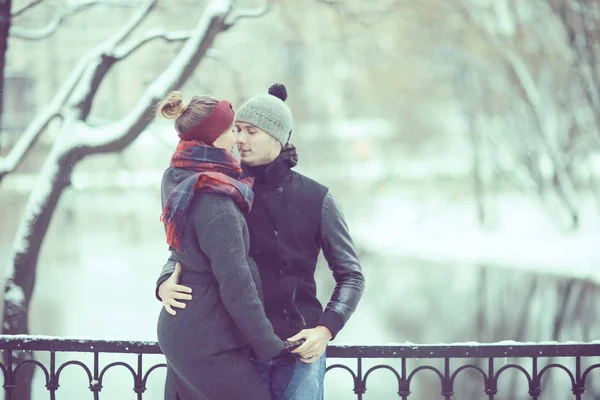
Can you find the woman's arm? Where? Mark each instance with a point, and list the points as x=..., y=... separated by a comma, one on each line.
x=222, y=242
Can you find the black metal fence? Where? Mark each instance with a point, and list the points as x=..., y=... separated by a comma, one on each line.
x=455, y=359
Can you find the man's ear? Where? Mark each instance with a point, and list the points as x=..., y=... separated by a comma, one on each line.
x=281, y=145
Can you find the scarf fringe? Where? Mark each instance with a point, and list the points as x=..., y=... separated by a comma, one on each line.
x=174, y=219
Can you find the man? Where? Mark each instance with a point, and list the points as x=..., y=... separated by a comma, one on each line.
x=292, y=220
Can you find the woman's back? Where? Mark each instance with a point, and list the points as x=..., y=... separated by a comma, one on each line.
x=208, y=344
x=204, y=208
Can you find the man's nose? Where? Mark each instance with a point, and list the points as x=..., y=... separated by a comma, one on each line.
x=240, y=137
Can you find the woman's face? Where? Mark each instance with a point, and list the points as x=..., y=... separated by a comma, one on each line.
x=227, y=140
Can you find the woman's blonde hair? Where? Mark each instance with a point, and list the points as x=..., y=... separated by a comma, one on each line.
x=186, y=116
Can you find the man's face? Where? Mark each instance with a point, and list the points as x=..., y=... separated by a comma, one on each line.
x=256, y=146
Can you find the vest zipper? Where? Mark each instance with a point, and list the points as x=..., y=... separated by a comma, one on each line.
x=295, y=307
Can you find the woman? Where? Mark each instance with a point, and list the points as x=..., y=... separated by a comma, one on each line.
x=204, y=195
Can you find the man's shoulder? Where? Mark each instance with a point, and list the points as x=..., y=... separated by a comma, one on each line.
x=309, y=182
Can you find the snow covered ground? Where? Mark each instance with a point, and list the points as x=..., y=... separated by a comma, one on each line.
x=438, y=229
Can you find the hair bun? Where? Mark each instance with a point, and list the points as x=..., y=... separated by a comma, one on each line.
x=172, y=106
x=278, y=90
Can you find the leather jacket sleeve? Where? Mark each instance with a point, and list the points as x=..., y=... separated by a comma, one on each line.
x=340, y=254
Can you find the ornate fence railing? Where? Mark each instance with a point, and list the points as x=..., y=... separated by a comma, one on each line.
x=487, y=361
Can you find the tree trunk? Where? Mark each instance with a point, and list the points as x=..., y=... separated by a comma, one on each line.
x=5, y=20
x=19, y=287
x=478, y=184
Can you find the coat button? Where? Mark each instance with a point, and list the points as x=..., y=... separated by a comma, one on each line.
x=284, y=313
x=279, y=190
x=274, y=235
x=280, y=273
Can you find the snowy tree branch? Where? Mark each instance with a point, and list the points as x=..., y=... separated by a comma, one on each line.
x=117, y=135
x=26, y=141
x=41, y=33
x=39, y=124
x=76, y=140
x=26, y=7
x=102, y=61
x=259, y=12
x=126, y=50
x=89, y=67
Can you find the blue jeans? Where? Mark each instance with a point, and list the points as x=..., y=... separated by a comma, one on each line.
x=293, y=379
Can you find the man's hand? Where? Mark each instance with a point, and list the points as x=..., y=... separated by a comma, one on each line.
x=315, y=343
x=170, y=291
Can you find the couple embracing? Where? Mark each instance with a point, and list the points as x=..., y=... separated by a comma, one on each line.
x=241, y=319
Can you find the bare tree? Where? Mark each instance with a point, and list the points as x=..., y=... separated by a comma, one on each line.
x=78, y=138
x=466, y=82
x=581, y=20
x=8, y=30
x=59, y=18
x=5, y=20
x=534, y=111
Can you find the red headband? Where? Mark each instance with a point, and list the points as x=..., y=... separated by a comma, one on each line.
x=211, y=127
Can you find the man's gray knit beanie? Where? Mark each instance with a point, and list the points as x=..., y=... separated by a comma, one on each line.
x=269, y=113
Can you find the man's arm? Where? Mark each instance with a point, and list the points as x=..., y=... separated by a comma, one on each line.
x=340, y=254
x=168, y=289
x=166, y=272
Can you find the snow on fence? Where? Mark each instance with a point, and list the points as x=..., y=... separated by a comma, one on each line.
x=488, y=361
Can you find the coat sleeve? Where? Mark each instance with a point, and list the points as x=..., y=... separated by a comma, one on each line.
x=166, y=187
x=167, y=270
x=341, y=257
x=223, y=243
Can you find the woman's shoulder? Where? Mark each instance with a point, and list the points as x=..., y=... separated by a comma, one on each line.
x=211, y=204
x=211, y=209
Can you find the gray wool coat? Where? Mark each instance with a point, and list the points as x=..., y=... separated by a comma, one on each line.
x=208, y=344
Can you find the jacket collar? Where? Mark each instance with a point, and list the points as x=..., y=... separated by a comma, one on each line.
x=274, y=172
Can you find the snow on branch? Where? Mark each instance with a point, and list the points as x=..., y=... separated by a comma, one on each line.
x=102, y=60
x=26, y=7
x=259, y=12
x=85, y=68
x=39, y=124
x=26, y=141
x=37, y=34
x=41, y=33
x=120, y=133
x=126, y=50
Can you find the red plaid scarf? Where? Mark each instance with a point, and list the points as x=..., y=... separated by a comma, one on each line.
x=217, y=172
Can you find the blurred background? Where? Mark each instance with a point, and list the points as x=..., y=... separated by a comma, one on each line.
x=460, y=136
